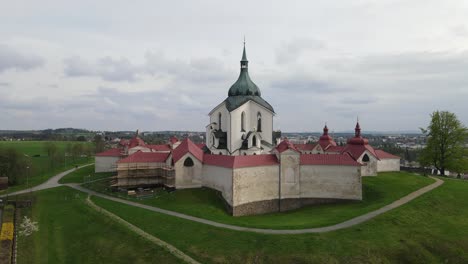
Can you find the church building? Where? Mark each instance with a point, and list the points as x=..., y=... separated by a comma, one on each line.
x=253, y=172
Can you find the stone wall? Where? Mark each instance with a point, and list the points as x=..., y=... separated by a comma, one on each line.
x=254, y=184
x=105, y=164
x=271, y=206
x=388, y=165
x=330, y=182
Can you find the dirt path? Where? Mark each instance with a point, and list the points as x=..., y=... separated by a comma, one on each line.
x=342, y=225
x=173, y=250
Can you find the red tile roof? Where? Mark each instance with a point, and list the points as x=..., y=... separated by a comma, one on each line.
x=335, y=149
x=285, y=145
x=136, y=141
x=201, y=145
x=173, y=140
x=185, y=147
x=123, y=142
x=331, y=159
x=145, y=157
x=240, y=161
x=305, y=147
x=356, y=150
x=163, y=147
x=385, y=155
x=115, y=152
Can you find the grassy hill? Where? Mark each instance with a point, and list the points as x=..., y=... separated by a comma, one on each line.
x=430, y=229
x=207, y=203
x=72, y=232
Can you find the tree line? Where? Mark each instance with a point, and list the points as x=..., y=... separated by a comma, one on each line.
x=16, y=165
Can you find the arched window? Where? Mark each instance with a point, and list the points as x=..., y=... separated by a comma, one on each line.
x=243, y=122
x=365, y=158
x=259, y=122
x=188, y=162
x=254, y=141
x=245, y=153
x=219, y=121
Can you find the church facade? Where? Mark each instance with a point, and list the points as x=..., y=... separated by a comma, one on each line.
x=254, y=172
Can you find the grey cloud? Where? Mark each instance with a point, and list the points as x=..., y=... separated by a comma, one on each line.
x=107, y=68
x=13, y=59
x=306, y=84
x=196, y=70
x=4, y=84
x=291, y=51
x=416, y=64
x=359, y=100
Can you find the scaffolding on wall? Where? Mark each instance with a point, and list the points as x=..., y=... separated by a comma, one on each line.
x=144, y=174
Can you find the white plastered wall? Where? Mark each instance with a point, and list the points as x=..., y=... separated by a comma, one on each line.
x=218, y=178
x=370, y=168
x=388, y=165
x=251, y=109
x=188, y=177
x=105, y=164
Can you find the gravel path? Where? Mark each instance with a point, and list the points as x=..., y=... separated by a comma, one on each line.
x=342, y=225
x=173, y=250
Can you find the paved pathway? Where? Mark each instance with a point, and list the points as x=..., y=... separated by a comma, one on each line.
x=50, y=183
x=173, y=250
x=345, y=224
x=53, y=182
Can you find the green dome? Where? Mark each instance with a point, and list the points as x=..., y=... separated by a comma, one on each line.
x=244, y=85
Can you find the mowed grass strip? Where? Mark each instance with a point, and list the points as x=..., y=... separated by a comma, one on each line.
x=85, y=174
x=430, y=229
x=206, y=203
x=42, y=166
x=72, y=232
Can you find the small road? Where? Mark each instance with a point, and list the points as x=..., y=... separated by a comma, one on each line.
x=53, y=182
x=342, y=225
x=50, y=183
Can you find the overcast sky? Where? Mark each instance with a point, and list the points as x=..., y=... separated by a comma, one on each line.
x=163, y=65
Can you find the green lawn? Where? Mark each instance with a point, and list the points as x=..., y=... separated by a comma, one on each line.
x=429, y=229
x=206, y=203
x=85, y=174
x=72, y=232
x=42, y=167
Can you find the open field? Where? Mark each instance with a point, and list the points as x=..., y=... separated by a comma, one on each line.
x=72, y=232
x=85, y=174
x=430, y=229
x=43, y=167
x=206, y=203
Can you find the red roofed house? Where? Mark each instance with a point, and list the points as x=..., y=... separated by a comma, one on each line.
x=241, y=160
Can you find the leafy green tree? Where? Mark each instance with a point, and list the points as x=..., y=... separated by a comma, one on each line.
x=50, y=148
x=446, y=137
x=77, y=150
x=99, y=143
x=13, y=165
